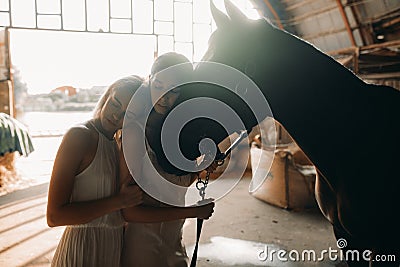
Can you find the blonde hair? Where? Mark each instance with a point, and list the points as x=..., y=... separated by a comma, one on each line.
x=132, y=82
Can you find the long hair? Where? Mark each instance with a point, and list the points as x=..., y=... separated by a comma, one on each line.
x=183, y=69
x=132, y=82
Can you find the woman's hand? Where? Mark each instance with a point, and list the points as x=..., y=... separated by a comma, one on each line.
x=212, y=167
x=205, y=211
x=130, y=195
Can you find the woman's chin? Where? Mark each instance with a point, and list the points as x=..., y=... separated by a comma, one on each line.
x=160, y=110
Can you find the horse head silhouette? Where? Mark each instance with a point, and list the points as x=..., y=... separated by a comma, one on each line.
x=348, y=128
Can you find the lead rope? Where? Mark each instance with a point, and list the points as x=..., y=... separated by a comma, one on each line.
x=201, y=186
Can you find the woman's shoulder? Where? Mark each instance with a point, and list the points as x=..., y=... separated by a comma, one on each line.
x=81, y=134
x=133, y=135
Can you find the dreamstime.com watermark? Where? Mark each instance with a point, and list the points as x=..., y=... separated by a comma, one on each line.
x=332, y=254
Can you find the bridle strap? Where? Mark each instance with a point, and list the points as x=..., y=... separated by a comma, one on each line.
x=196, y=247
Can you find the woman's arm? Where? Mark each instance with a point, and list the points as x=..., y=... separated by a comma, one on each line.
x=133, y=140
x=71, y=153
x=145, y=214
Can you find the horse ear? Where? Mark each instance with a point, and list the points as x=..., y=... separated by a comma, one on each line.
x=221, y=20
x=233, y=12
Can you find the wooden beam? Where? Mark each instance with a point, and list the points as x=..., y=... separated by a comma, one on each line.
x=365, y=33
x=387, y=75
x=391, y=22
x=356, y=67
x=322, y=34
x=312, y=14
x=299, y=4
x=346, y=22
x=271, y=8
x=395, y=43
x=343, y=51
x=349, y=50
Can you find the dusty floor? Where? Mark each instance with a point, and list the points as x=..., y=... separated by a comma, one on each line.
x=241, y=228
x=244, y=226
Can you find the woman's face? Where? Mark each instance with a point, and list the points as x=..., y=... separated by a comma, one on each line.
x=162, y=98
x=136, y=110
x=113, y=111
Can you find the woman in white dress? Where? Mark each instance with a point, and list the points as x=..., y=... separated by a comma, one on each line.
x=85, y=193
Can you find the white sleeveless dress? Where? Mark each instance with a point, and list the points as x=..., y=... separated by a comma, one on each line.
x=156, y=244
x=99, y=242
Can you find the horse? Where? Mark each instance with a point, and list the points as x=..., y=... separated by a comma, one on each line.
x=349, y=129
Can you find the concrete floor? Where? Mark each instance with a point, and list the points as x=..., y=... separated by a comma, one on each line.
x=239, y=230
x=241, y=227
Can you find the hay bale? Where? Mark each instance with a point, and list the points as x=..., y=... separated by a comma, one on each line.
x=8, y=161
x=8, y=173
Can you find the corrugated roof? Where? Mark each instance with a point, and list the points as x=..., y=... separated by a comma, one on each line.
x=363, y=34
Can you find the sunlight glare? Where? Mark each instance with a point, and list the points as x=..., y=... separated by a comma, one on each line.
x=50, y=59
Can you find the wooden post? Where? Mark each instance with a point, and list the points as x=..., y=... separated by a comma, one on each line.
x=7, y=103
x=346, y=22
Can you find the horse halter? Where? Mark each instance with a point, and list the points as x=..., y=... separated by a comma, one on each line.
x=220, y=159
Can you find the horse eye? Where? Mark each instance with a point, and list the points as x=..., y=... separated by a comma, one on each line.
x=250, y=68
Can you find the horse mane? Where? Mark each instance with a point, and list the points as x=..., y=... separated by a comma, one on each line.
x=273, y=46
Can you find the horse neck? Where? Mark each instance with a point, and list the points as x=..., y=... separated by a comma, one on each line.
x=307, y=68
x=307, y=90
x=301, y=71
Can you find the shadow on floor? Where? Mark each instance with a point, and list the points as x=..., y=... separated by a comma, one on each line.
x=26, y=240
